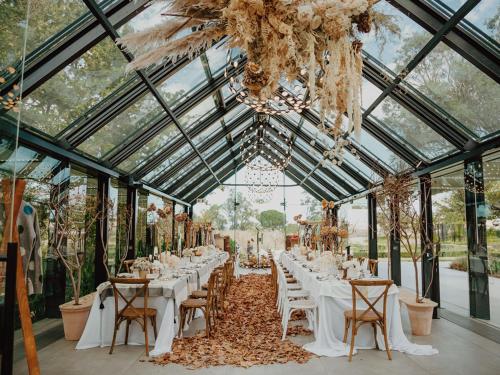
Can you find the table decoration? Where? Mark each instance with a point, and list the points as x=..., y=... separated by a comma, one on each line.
x=143, y=266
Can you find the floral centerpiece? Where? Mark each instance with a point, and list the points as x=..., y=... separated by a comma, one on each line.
x=143, y=265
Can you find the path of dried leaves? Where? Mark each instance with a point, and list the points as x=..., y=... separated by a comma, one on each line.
x=249, y=334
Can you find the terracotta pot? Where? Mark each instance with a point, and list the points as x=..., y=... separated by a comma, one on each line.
x=75, y=316
x=420, y=314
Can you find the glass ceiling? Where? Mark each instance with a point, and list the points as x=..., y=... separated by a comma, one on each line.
x=97, y=109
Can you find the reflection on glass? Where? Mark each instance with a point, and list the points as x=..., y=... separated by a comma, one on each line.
x=448, y=216
x=390, y=48
x=76, y=88
x=198, y=113
x=135, y=117
x=460, y=89
x=485, y=16
x=150, y=149
x=354, y=215
x=177, y=88
x=406, y=128
x=48, y=18
x=491, y=167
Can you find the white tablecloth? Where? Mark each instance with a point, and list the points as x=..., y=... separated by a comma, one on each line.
x=165, y=297
x=333, y=298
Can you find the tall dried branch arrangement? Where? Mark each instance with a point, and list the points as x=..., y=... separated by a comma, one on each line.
x=314, y=41
x=74, y=216
x=124, y=222
x=398, y=201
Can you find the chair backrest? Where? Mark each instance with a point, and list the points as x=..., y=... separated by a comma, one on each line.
x=372, y=266
x=128, y=264
x=356, y=284
x=140, y=291
x=213, y=281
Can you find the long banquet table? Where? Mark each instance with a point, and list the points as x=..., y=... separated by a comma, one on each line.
x=333, y=297
x=164, y=295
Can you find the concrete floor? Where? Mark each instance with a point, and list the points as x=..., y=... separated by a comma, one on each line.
x=461, y=353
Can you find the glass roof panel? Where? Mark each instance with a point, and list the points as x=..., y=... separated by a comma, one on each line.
x=49, y=18
x=187, y=169
x=485, y=16
x=214, y=148
x=459, y=88
x=409, y=130
x=371, y=146
x=196, y=114
x=217, y=58
x=153, y=147
x=178, y=88
x=149, y=17
x=364, y=170
x=388, y=48
x=163, y=167
x=239, y=129
x=235, y=112
x=193, y=179
x=453, y=4
x=135, y=117
x=341, y=174
x=212, y=129
x=76, y=88
x=369, y=93
x=331, y=182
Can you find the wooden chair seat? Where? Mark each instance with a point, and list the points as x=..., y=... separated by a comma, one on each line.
x=194, y=303
x=137, y=312
x=368, y=317
x=199, y=294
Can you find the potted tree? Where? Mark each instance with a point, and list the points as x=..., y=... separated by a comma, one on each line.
x=398, y=194
x=74, y=216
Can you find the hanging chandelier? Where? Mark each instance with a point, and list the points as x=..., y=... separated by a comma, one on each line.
x=257, y=149
x=316, y=43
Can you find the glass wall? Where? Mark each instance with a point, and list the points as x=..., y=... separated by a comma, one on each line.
x=491, y=168
x=448, y=215
x=355, y=216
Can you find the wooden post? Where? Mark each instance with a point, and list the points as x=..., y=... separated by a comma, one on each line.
x=21, y=292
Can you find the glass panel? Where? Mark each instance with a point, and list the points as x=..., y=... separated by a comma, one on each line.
x=361, y=167
x=186, y=170
x=378, y=151
x=198, y=113
x=212, y=129
x=217, y=58
x=354, y=216
x=117, y=241
x=153, y=147
x=150, y=17
x=369, y=92
x=177, y=88
x=389, y=48
x=448, y=215
x=485, y=16
x=135, y=117
x=409, y=130
x=46, y=19
x=460, y=88
x=235, y=113
x=76, y=88
x=453, y=4
x=141, y=210
x=214, y=147
x=491, y=167
x=344, y=176
x=330, y=182
x=163, y=167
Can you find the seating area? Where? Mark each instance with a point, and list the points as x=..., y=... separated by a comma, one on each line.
x=249, y=187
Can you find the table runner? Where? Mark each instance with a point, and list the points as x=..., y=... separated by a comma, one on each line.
x=333, y=298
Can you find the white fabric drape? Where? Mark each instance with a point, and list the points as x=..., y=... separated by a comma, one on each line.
x=98, y=331
x=333, y=298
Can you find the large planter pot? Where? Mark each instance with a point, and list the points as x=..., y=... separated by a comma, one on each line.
x=75, y=316
x=420, y=314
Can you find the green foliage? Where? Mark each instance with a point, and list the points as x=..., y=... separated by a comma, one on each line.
x=272, y=219
x=242, y=216
x=292, y=228
x=215, y=215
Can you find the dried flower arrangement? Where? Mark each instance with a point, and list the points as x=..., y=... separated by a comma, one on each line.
x=315, y=42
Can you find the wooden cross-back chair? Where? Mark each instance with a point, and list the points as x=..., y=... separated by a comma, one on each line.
x=130, y=312
x=356, y=318
x=372, y=266
x=207, y=305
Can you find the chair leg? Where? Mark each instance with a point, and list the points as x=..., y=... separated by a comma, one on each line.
x=207, y=322
x=114, y=339
x=181, y=321
x=353, y=335
x=126, y=332
x=346, y=328
x=146, y=334
x=153, y=323
x=286, y=317
x=387, y=348
x=374, y=325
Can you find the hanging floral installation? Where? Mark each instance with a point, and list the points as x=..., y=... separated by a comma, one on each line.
x=316, y=43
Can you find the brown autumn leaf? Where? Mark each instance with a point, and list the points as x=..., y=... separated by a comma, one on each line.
x=249, y=333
